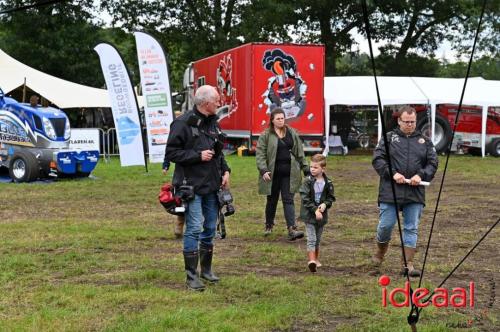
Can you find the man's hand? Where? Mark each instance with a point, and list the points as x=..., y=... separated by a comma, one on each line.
x=225, y=180
x=399, y=178
x=266, y=176
x=164, y=171
x=415, y=180
x=319, y=215
x=207, y=155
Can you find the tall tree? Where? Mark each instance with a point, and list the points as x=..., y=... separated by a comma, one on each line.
x=420, y=27
x=57, y=39
x=332, y=23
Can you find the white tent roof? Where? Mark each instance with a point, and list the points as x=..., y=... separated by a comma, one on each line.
x=360, y=90
x=64, y=94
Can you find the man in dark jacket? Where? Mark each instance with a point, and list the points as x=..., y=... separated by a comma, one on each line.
x=414, y=159
x=195, y=146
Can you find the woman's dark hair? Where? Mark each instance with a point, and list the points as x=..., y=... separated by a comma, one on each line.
x=275, y=112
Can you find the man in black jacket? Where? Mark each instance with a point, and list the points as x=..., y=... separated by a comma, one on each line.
x=414, y=159
x=195, y=146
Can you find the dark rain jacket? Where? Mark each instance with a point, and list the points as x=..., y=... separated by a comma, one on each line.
x=410, y=155
x=190, y=134
x=308, y=204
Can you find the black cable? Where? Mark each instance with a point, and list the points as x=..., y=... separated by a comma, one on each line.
x=34, y=5
x=386, y=143
x=384, y=129
x=451, y=142
x=460, y=263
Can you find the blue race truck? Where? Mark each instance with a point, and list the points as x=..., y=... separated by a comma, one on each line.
x=34, y=143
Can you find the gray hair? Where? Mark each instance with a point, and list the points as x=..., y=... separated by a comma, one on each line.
x=203, y=94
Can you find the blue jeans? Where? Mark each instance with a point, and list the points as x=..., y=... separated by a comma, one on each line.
x=411, y=219
x=201, y=221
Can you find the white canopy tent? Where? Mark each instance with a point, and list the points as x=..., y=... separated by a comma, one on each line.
x=64, y=94
x=478, y=92
x=360, y=90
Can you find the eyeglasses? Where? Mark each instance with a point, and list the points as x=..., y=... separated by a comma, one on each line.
x=408, y=123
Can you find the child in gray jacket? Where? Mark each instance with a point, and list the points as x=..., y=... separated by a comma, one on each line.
x=317, y=196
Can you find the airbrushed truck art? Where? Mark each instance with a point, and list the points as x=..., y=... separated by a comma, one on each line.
x=255, y=78
x=34, y=143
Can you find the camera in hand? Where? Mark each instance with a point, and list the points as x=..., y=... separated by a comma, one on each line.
x=225, y=201
x=185, y=193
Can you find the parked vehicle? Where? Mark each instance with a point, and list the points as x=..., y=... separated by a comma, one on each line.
x=254, y=78
x=34, y=143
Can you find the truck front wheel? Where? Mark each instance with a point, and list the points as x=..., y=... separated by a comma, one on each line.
x=495, y=147
x=442, y=131
x=23, y=167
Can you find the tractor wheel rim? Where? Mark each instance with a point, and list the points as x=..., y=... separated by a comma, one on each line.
x=19, y=168
x=438, y=132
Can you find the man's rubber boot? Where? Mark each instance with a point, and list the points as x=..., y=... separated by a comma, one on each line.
x=191, y=264
x=378, y=257
x=178, y=227
x=409, y=253
x=311, y=264
x=294, y=234
x=206, y=254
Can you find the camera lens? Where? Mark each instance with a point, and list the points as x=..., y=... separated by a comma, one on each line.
x=229, y=210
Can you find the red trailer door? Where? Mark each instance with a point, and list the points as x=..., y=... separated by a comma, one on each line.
x=291, y=77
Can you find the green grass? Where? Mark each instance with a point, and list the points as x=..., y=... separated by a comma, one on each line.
x=99, y=255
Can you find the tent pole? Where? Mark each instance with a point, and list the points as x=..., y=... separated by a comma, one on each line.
x=433, y=122
x=24, y=90
x=484, y=118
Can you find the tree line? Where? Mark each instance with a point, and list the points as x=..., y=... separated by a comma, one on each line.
x=59, y=38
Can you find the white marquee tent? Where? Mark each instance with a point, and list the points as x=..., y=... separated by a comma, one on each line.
x=360, y=90
x=64, y=94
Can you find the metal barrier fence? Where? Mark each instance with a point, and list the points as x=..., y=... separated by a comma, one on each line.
x=111, y=144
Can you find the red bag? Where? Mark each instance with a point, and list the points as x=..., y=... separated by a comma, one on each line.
x=168, y=199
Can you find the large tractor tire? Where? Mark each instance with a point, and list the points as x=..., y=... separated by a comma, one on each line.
x=494, y=148
x=23, y=167
x=442, y=131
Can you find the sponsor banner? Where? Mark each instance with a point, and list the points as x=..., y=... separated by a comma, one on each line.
x=84, y=139
x=155, y=86
x=123, y=105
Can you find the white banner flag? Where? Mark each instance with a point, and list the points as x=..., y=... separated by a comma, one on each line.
x=123, y=105
x=156, y=91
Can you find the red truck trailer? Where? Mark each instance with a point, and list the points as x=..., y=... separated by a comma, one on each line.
x=254, y=78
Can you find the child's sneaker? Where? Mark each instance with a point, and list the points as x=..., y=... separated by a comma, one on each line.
x=312, y=266
x=318, y=264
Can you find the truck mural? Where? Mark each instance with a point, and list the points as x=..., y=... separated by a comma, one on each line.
x=34, y=143
x=254, y=78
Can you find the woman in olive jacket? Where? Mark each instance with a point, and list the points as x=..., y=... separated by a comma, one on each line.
x=280, y=159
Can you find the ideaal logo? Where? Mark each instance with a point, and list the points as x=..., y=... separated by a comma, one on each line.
x=440, y=296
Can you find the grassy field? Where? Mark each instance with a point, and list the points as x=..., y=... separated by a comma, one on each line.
x=99, y=255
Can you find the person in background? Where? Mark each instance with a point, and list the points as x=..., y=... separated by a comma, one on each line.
x=280, y=159
x=179, y=221
x=34, y=101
